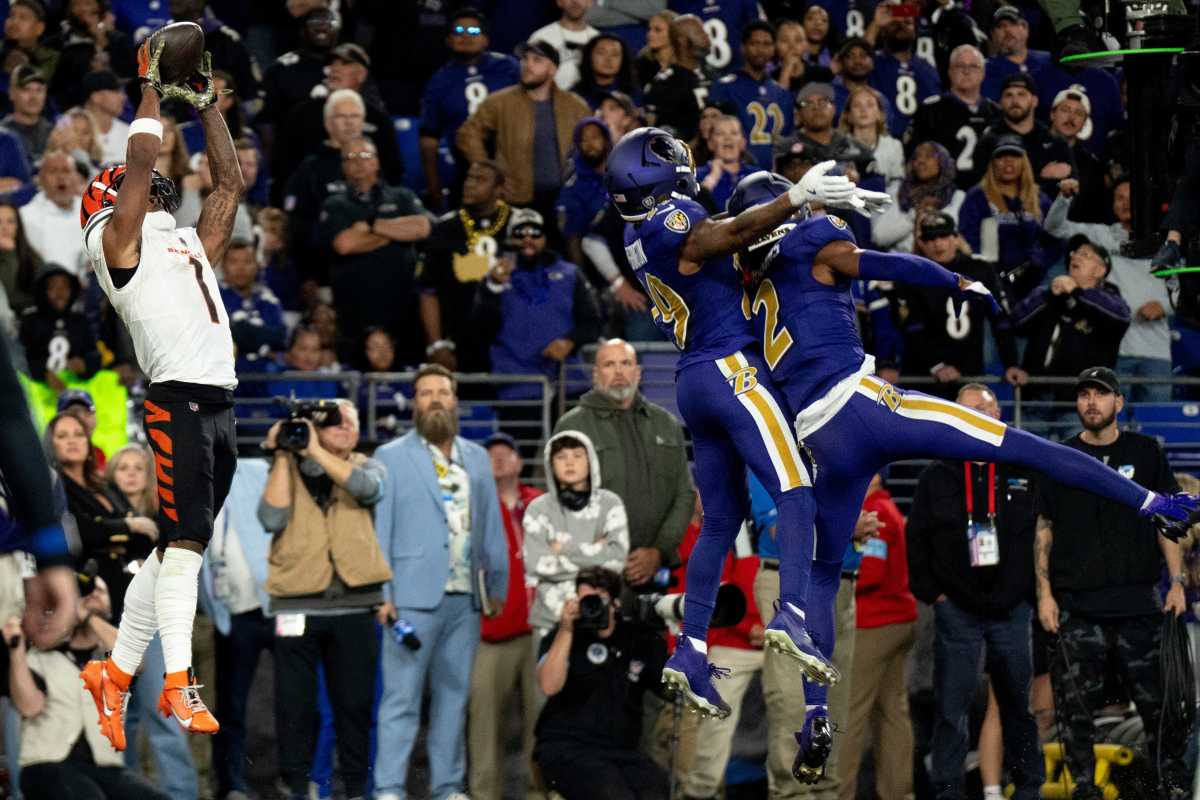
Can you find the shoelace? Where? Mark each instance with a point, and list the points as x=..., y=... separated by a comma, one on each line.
x=719, y=672
x=191, y=697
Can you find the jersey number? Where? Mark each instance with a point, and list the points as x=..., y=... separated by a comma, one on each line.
x=476, y=92
x=57, y=353
x=770, y=115
x=775, y=342
x=719, y=52
x=906, y=95
x=966, y=157
x=957, y=328
x=212, y=308
x=669, y=309
x=855, y=23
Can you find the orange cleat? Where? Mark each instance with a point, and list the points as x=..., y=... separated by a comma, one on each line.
x=109, y=687
x=181, y=698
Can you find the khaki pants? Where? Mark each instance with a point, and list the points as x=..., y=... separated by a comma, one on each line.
x=500, y=668
x=658, y=720
x=783, y=691
x=881, y=702
x=714, y=737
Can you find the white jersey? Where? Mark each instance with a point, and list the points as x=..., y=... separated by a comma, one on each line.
x=172, y=305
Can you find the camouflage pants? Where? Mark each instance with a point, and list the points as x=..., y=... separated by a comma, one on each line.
x=1078, y=677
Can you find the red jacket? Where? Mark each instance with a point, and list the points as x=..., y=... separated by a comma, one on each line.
x=882, y=593
x=514, y=620
x=738, y=571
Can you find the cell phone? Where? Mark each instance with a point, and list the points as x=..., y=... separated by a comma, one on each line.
x=904, y=10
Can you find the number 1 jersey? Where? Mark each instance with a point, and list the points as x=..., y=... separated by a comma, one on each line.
x=172, y=304
x=705, y=314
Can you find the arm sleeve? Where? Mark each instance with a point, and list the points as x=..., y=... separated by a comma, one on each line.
x=1109, y=308
x=472, y=134
x=273, y=518
x=365, y=483
x=910, y=269
x=1026, y=311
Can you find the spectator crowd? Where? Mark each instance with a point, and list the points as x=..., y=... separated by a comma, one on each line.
x=425, y=200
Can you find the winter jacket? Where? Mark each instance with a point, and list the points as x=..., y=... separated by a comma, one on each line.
x=560, y=542
x=52, y=337
x=583, y=198
x=658, y=495
x=504, y=122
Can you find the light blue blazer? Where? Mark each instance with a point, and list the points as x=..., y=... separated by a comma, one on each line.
x=410, y=522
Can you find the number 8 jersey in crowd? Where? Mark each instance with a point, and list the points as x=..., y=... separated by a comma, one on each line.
x=171, y=305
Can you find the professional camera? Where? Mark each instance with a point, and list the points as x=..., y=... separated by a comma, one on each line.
x=660, y=610
x=293, y=433
x=593, y=613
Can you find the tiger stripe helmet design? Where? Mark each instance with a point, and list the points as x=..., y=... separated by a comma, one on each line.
x=101, y=192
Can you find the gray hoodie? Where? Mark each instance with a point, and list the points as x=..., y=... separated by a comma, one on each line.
x=560, y=542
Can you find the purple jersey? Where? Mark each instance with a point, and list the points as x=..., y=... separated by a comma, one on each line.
x=701, y=313
x=809, y=330
x=723, y=22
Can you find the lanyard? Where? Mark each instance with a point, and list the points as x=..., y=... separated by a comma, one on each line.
x=971, y=491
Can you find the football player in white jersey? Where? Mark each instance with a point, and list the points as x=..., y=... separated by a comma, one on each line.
x=160, y=280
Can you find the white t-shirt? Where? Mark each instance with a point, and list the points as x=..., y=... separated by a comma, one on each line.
x=113, y=143
x=172, y=304
x=569, y=45
x=50, y=231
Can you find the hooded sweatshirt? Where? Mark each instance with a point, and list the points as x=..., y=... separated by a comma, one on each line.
x=52, y=337
x=583, y=198
x=560, y=542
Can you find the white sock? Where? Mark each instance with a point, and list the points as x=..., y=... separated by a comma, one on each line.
x=795, y=610
x=175, y=603
x=138, y=620
x=699, y=645
x=993, y=792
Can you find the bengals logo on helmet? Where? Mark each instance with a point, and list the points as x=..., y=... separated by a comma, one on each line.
x=101, y=192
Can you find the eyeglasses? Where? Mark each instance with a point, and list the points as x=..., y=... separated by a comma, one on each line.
x=527, y=233
x=467, y=30
x=816, y=102
x=361, y=155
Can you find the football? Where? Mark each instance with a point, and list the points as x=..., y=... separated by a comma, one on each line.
x=183, y=48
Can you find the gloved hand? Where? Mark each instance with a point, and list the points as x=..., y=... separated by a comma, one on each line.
x=198, y=90
x=969, y=290
x=817, y=186
x=1173, y=514
x=869, y=203
x=148, y=63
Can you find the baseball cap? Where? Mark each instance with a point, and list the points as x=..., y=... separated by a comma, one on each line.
x=1022, y=79
x=500, y=437
x=1008, y=13
x=350, y=52
x=103, y=80
x=1079, y=240
x=621, y=99
x=25, y=74
x=524, y=217
x=1076, y=92
x=936, y=225
x=75, y=397
x=814, y=89
x=1103, y=377
x=853, y=42
x=1008, y=144
x=791, y=147
x=540, y=48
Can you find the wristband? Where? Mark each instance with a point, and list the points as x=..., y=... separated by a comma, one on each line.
x=147, y=125
x=440, y=344
x=1180, y=579
x=617, y=283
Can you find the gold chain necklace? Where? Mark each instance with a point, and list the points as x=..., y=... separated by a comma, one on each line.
x=474, y=234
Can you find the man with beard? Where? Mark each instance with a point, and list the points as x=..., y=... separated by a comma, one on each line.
x=1010, y=51
x=455, y=91
x=1097, y=567
x=903, y=78
x=440, y=520
x=857, y=59
x=642, y=458
x=1048, y=155
x=956, y=119
x=1071, y=124
x=462, y=247
x=531, y=125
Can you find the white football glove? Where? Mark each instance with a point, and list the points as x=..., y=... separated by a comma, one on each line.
x=817, y=186
x=866, y=202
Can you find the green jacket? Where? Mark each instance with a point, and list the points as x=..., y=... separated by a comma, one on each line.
x=659, y=511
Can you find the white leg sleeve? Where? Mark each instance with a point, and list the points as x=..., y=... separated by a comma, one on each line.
x=138, y=620
x=175, y=604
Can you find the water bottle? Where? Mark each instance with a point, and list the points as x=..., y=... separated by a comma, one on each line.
x=405, y=634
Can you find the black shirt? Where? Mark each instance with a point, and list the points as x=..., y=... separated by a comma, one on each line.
x=600, y=705
x=1042, y=147
x=289, y=82
x=959, y=128
x=1105, y=560
x=674, y=99
x=938, y=554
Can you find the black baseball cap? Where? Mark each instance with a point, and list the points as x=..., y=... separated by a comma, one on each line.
x=351, y=53
x=75, y=397
x=540, y=48
x=853, y=42
x=1009, y=13
x=1008, y=144
x=500, y=437
x=1103, y=377
x=936, y=225
x=1022, y=79
x=1079, y=240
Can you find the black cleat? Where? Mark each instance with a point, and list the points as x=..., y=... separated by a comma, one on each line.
x=816, y=743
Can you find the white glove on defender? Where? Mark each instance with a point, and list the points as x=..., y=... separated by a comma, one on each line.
x=819, y=187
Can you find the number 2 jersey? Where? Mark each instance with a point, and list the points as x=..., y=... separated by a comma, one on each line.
x=810, y=333
x=171, y=305
x=704, y=314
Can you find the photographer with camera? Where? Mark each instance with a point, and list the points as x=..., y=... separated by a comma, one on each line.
x=63, y=752
x=595, y=667
x=325, y=580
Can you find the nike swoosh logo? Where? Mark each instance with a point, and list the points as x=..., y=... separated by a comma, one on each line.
x=187, y=723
